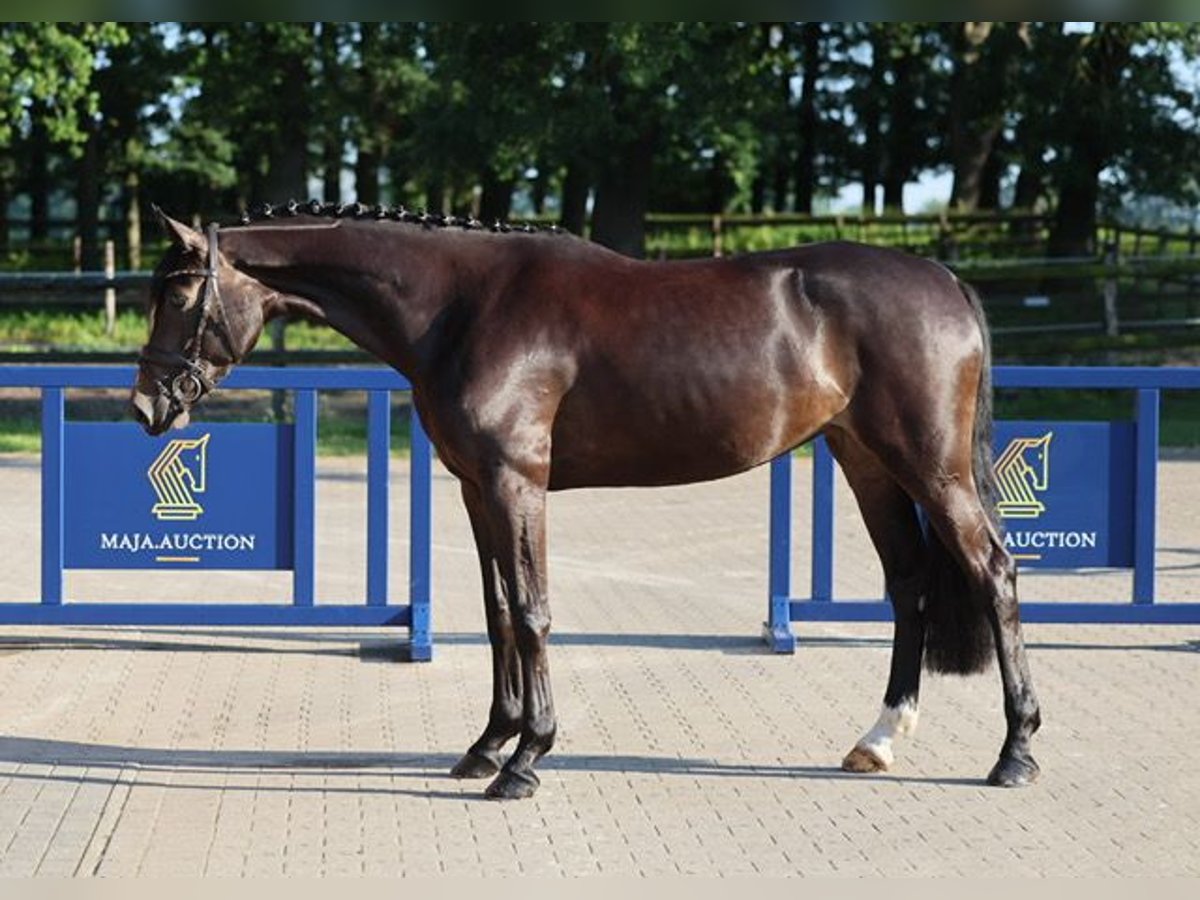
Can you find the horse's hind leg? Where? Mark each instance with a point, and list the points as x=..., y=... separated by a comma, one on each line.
x=956, y=513
x=483, y=759
x=891, y=521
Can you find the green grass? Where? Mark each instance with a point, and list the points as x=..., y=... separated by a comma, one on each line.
x=333, y=438
x=31, y=328
x=21, y=435
x=341, y=418
x=1180, y=411
x=73, y=329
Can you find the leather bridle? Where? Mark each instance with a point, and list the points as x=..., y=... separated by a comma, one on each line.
x=190, y=381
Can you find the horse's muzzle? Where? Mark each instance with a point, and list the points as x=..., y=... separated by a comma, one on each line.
x=157, y=413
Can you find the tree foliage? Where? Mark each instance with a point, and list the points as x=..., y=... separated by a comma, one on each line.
x=598, y=121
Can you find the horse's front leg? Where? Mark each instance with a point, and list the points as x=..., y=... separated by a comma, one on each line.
x=515, y=504
x=483, y=759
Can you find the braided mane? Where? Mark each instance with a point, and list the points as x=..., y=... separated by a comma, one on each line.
x=381, y=213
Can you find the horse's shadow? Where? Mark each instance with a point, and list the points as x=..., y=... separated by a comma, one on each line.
x=382, y=648
x=77, y=762
x=377, y=648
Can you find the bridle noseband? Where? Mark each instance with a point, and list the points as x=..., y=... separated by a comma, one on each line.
x=191, y=381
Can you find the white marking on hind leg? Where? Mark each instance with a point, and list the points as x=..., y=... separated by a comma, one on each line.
x=893, y=722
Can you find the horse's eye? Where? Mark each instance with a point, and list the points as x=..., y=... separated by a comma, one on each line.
x=178, y=299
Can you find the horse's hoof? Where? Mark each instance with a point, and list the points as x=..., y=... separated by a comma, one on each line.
x=1013, y=771
x=861, y=759
x=476, y=765
x=510, y=785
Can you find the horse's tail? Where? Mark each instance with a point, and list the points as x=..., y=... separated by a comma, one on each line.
x=958, y=634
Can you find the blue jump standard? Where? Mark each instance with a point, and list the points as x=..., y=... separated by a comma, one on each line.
x=291, y=471
x=1130, y=479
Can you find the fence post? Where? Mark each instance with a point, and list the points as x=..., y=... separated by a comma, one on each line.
x=777, y=630
x=420, y=561
x=1145, y=495
x=53, y=413
x=822, y=521
x=717, y=236
x=1112, y=325
x=379, y=449
x=110, y=292
x=277, y=331
x=304, y=523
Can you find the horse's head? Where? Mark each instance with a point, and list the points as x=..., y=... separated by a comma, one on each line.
x=204, y=317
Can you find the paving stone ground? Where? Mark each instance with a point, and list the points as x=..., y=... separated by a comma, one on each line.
x=684, y=747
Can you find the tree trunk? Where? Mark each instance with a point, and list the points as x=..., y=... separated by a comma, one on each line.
x=5, y=198
x=782, y=163
x=435, y=192
x=332, y=140
x=806, y=158
x=331, y=169
x=872, y=120
x=972, y=153
x=540, y=187
x=758, y=194
x=989, y=180
x=716, y=184
x=39, y=180
x=133, y=221
x=893, y=192
x=1091, y=143
x=622, y=195
x=366, y=166
x=287, y=175
x=575, y=191
x=366, y=177
x=1074, y=230
x=970, y=140
x=898, y=163
x=87, y=199
x=1029, y=187
x=495, y=199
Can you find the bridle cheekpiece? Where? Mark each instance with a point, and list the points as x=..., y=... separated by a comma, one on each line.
x=191, y=382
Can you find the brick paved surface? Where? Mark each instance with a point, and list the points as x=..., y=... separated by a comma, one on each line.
x=684, y=747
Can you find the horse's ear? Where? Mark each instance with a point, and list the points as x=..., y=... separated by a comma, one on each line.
x=181, y=235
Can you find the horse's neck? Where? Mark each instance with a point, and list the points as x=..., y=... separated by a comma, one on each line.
x=381, y=291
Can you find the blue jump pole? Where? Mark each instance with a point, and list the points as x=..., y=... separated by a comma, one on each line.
x=420, y=541
x=53, y=414
x=379, y=446
x=778, y=628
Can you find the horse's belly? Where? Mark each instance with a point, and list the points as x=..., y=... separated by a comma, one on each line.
x=633, y=449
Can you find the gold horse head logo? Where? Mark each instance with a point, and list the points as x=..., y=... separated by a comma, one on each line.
x=177, y=475
x=1022, y=469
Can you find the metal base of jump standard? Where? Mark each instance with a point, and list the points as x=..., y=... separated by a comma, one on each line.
x=216, y=496
x=1073, y=495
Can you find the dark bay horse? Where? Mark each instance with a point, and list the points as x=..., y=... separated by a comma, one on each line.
x=543, y=362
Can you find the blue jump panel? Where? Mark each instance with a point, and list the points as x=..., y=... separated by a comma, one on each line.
x=218, y=496
x=1077, y=495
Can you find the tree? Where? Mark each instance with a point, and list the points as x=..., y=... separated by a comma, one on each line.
x=485, y=121
x=987, y=58
x=654, y=86
x=47, y=93
x=1107, y=108
x=811, y=40
x=256, y=88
